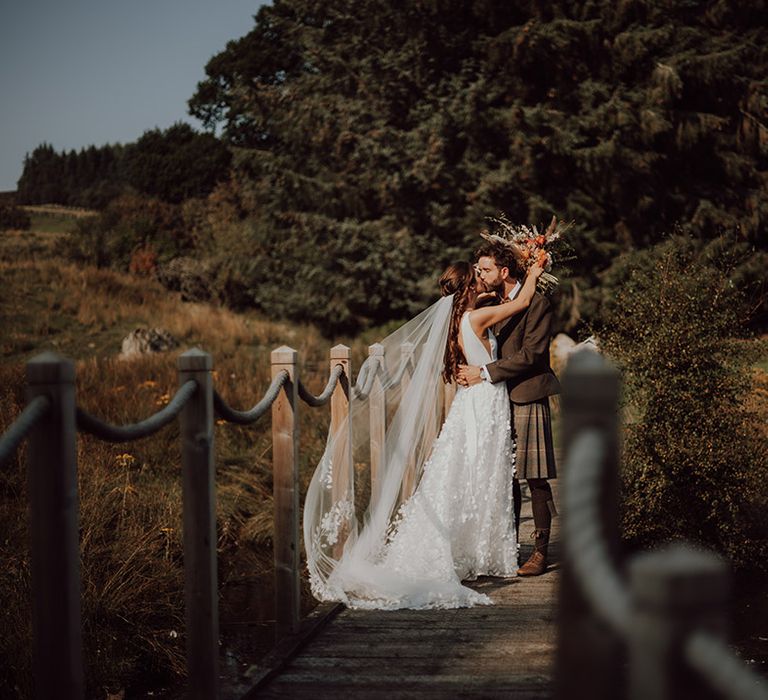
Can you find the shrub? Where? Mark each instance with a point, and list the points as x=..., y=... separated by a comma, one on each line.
x=128, y=224
x=13, y=217
x=143, y=261
x=693, y=456
x=190, y=276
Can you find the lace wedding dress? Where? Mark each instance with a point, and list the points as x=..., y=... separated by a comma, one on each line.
x=458, y=524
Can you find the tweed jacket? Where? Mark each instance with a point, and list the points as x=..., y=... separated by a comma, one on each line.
x=524, y=354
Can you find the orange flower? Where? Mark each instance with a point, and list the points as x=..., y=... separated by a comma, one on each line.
x=540, y=240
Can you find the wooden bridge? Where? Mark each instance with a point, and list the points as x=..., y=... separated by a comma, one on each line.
x=503, y=651
x=657, y=634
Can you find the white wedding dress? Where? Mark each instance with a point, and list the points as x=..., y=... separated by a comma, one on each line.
x=458, y=524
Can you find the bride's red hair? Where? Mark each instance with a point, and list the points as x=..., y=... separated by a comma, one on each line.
x=457, y=279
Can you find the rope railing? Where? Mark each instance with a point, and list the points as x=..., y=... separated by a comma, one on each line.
x=723, y=670
x=51, y=420
x=390, y=381
x=252, y=415
x=18, y=430
x=715, y=663
x=325, y=396
x=582, y=533
x=676, y=603
x=135, y=431
x=362, y=387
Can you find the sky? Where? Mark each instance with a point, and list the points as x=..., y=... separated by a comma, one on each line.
x=80, y=72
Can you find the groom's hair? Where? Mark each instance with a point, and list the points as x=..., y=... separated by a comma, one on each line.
x=502, y=256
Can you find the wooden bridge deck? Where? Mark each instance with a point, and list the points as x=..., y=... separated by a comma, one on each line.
x=503, y=651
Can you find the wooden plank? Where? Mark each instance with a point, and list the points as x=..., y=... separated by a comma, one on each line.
x=377, y=407
x=199, y=510
x=474, y=659
x=342, y=456
x=500, y=651
x=285, y=449
x=531, y=691
x=256, y=677
x=590, y=399
x=385, y=676
x=409, y=475
x=57, y=659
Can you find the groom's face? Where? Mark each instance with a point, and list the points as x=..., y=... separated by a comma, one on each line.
x=490, y=274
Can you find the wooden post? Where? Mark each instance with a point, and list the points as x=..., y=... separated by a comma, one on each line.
x=285, y=466
x=343, y=489
x=409, y=476
x=378, y=411
x=589, y=656
x=674, y=592
x=199, y=496
x=54, y=548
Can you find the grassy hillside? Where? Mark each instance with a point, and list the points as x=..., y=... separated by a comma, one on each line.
x=130, y=500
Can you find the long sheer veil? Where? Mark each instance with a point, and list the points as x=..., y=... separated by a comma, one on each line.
x=364, y=476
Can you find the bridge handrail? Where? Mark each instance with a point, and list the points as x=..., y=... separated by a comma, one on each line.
x=365, y=377
x=253, y=414
x=582, y=533
x=135, y=431
x=588, y=560
x=325, y=396
x=405, y=364
x=51, y=420
x=724, y=671
x=25, y=421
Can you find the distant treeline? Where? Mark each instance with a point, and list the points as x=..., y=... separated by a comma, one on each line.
x=173, y=165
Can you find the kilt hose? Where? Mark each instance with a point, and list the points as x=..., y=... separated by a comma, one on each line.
x=532, y=432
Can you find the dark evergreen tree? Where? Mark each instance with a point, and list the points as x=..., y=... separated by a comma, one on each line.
x=173, y=165
x=76, y=178
x=422, y=117
x=176, y=164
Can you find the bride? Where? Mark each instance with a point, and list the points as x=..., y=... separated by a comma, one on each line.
x=413, y=549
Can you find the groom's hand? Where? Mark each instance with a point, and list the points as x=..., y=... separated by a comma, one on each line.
x=469, y=375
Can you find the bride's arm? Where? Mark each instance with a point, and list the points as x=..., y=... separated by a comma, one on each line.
x=490, y=316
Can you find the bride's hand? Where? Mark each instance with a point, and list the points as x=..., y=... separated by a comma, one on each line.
x=484, y=297
x=536, y=269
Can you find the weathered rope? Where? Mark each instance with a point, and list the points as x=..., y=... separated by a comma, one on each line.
x=246, y=417
x=583, y=538
x=600, y=582
x=325, y=396
x=365, y=378
x=394, y=381
x=126, y=433
x=18, y=430
x=722, y=669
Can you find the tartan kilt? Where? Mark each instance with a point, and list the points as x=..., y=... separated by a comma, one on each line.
x=532, y=432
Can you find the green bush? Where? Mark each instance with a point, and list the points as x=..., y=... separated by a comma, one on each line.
x=694, y=458
x=129, y=224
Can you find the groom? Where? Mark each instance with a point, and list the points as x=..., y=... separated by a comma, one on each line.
x=524, y=364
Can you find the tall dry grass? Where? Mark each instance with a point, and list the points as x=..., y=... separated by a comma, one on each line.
x=130, y=494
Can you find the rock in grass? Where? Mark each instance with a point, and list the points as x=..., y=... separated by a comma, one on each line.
x=144, y=341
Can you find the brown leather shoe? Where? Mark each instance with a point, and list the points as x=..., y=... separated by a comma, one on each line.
x=535, y=566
